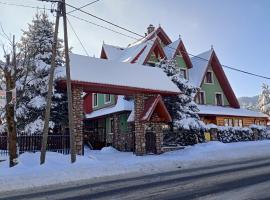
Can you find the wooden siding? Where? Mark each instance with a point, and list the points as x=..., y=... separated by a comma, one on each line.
x=219, y=120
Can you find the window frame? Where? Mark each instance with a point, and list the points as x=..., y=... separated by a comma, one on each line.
x=212, y=77
x=105, y=99
x=240, y=120
x=199, y=98
x=230, y=122
x=185, y=73
x=222, y=99
x=93, y=99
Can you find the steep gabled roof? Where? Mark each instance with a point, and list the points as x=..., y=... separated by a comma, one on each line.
x=133, y=54
x=155, y=105
x=110, y=52
x=175, y=47
x=201, y=63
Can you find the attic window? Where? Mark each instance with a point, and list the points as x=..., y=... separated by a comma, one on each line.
x=209, y=77
x=183, y=73
x=219, y=99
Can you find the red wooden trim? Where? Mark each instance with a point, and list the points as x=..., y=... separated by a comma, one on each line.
x=138, y=55
x=103, y=54
x=224, y=82
x=152, y=104
x=183, y=51
x=114, y=89
x=157, y=46
x=87, y=103
x=162, y=35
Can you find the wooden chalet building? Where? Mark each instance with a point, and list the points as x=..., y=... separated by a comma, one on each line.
x=216, y=99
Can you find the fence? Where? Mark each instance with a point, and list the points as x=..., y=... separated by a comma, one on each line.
x=32, y=143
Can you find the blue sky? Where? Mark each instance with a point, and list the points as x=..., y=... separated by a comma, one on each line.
x=239, y=30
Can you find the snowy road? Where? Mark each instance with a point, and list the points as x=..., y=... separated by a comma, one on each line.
x=249, y=179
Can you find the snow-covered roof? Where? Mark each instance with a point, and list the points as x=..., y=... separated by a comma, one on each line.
x=121, y=105
x=171, y=48
x=112, y=52
x=200, y=64
x=228, y=111
x=105, y=72
x=131, y=116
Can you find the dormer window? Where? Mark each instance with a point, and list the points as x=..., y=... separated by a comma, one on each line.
x=209, y=77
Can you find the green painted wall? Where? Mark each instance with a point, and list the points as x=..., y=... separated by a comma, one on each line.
x=211, y=89
x=101, y=102
x=180, y=61
x=123, y=122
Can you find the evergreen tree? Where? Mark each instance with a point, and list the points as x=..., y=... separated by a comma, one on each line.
x=182, y=108
x=36, y=48
x=264, y=100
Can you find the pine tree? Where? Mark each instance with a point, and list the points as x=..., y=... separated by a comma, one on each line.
x=36, y=48
x=182, y=108
x=264, y=100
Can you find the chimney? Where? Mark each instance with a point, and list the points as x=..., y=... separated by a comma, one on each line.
x=150, y=29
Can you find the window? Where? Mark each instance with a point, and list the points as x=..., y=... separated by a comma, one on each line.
x=200, y=97
x=183, y=73
x=230, y=122
x=209, y=77
x=219, y=100
x=257, y=122
x=240, y=122
x=236, y=122
x=95, y=100
x=107, y=98
x=226, y=122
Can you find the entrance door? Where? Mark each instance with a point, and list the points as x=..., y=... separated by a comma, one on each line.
x=150, y=142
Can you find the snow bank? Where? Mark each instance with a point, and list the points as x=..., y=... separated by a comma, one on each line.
x=109, y=161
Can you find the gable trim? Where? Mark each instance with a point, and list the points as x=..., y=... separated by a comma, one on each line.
x=222, y=79
x=181, y=48
x=160, y=49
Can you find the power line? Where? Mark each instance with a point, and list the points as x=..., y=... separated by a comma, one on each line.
x=111, y=23
x=24, y=6
x=118, y=26
x=104, y=27
x=83, y=6
x=104, y=20
x=77, y=37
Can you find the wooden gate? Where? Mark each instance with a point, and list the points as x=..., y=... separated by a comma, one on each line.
x=150, y=141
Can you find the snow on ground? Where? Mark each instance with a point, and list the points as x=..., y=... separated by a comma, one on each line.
x=109, y=161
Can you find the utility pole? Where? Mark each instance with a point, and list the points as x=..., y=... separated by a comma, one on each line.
x=69, y=92
x=61, y=10
x=49, y=95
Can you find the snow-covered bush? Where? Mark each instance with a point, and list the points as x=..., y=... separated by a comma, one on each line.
x=228, y=134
